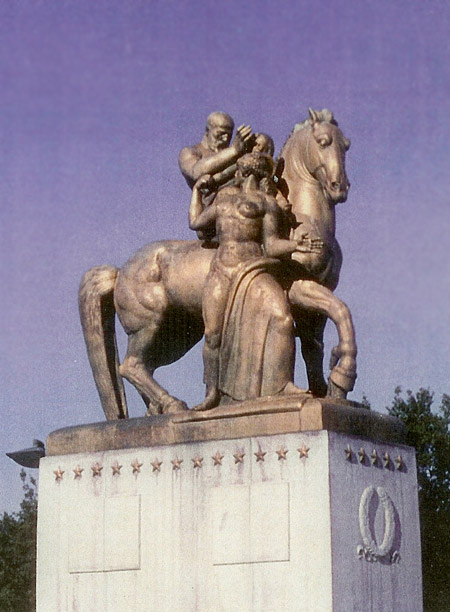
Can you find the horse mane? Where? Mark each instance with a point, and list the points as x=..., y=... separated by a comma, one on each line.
x=323, y=115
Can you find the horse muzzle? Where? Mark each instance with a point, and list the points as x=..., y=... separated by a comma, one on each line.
x=337, y=191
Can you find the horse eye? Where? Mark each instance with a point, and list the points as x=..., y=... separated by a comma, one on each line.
x=324, y=141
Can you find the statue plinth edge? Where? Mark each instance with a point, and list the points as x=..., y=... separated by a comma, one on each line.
x=260, y=417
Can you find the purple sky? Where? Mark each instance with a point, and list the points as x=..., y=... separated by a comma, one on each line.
x=97, y=99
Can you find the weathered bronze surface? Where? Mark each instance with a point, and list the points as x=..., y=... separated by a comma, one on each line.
x=158, y=294
x=249, y=344
x=264, y=416
x=213, y=155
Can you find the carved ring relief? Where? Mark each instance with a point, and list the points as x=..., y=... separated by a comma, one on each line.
x=370, y=550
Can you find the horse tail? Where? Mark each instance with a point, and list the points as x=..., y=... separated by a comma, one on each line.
x=97, y=313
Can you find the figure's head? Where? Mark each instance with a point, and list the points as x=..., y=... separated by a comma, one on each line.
x=219, y=128
x=257, y=165
x=264, y=144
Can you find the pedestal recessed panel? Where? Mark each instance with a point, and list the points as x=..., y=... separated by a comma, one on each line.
x=85, y=523
x=250, y=523
x=104, y=534
x=122, y=533
x=114, y=592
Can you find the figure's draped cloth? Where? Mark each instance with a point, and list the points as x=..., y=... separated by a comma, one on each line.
x=257, y=353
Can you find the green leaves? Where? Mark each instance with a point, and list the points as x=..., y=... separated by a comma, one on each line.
x=18, y=553
x=428, y=430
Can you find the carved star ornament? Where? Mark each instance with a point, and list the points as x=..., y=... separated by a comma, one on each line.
x=260, y=454
x=78, y=472
x=156, y=465
x=239, y=457
x=136, y=466
x=197, y=461
x=58, y=474
x=176, y=463
x=217, y=458
x=97, y=470
x=282, y=453
x=116, y=468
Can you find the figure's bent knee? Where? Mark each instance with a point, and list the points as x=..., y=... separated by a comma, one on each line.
x=282, y=319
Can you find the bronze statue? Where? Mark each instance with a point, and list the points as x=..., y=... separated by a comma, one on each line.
x=246, y=219
x=314, y=181
x=263, y=143
x=214, y=154
x=157, y=295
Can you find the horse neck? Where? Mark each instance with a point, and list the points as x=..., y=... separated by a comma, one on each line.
x=306, y=195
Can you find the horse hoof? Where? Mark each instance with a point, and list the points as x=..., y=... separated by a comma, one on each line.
x=342, y=380
x=335, y=391
x=292, y=389
x=211, y=400
x=152, y=410
x=173, y=406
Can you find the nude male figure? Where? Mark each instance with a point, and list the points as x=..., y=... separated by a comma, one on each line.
x=214, y=154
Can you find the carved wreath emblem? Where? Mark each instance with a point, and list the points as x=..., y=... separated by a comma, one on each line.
x=370, y=550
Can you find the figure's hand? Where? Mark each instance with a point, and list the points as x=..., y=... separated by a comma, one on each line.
x=205, y=183
x=306, y=244
x=243, y=139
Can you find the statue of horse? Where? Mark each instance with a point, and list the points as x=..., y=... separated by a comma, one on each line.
x=313, y=180
x=157, y=295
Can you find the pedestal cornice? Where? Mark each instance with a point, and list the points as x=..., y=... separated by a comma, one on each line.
x=267, y=416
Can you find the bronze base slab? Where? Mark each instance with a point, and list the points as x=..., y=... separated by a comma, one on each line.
x=261, y=417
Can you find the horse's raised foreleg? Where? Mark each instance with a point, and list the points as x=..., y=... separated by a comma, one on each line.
x=314, y=297
x=135, y=369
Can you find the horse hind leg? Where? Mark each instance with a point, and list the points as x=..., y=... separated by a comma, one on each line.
x=310, y=327
x=136, y=370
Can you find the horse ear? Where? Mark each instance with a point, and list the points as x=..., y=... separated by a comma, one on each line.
x=312, y=115
x=347, y=144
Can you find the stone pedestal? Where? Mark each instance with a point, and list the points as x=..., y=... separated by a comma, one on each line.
x=284, y=509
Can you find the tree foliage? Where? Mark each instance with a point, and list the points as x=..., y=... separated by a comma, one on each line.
x=428, y=431
x=18, y=553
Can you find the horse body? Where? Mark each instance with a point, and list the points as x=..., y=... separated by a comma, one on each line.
x=157, y=295
x=161, y=274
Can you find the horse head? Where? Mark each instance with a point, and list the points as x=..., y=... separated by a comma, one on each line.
x=322, y=147
x=325, y=155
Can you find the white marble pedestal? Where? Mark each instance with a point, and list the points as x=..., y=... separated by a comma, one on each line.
x=303, y=521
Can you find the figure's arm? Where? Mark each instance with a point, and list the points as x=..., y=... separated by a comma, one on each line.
x=222, y=177
x=288, y=220
x=279, y=247
x=195, y=166
x=199, y=218
x=273, y=244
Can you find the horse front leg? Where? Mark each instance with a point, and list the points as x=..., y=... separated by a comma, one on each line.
x=314, y=297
